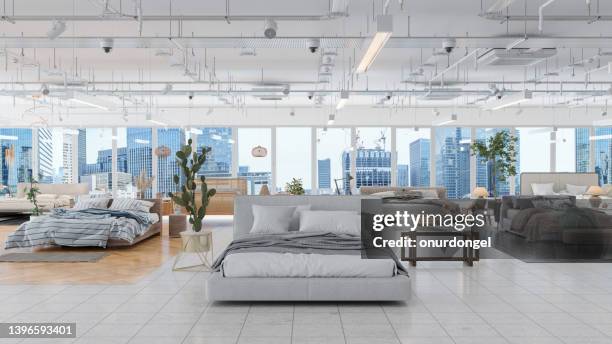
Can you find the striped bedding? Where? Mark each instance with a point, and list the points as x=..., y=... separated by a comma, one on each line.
x=78, y=228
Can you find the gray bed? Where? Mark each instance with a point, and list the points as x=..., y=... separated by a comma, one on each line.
x=220, y=288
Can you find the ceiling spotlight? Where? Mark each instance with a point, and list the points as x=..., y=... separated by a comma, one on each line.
x=125, y=116
x=344, y=96
x=332, y=119
x=292, y=112
x=313, y=45
x=44, y=90
x=389, y=95
x=270, y=28
x=190, y=95
x=106, y=44
x=57, y=28
x=310, y=95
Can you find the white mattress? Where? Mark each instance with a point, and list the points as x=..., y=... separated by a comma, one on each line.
x=266, y=264
x=23, y=205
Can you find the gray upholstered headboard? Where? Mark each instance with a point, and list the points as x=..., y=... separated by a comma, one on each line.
x=243, y=213
x=560, y=179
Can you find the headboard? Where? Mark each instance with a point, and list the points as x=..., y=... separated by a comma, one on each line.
x=557, y=178
x=74, y=189
x=368, y=190
x=243, y=213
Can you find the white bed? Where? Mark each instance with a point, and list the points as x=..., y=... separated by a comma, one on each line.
x=51, y=196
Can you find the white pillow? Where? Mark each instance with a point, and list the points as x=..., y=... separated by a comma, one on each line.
x=339, y=222
x=384, y=194
x=46, y=197
x=294, y=225
x=271, y=219
x=542, y=189
x=131, y=204
x=101, y=203
x=428, y=193
x=575, y=189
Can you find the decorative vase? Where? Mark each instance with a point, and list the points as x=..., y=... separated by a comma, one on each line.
x=595, y=201
x=264, y=191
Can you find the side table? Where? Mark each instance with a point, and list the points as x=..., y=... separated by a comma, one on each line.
x=177, y=223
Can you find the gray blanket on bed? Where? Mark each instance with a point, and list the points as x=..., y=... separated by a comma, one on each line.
x=538, y=223
x=79, y=228
x=302, y=242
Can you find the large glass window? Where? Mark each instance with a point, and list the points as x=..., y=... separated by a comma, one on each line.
x=373, y=157
x=134, y=154
x=566, y=150
x=452, y=157
x=333, y=149
x=254, y=161
x=293, y=155
x=582, y=149
x=219, y=159
x=54, y=155
x=169, y=141
x=413, y=147
x=484, y=168
x=534, y=149
x=95, y=158
x=603, y=153
x=15, y=158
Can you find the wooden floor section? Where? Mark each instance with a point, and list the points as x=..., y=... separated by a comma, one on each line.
x=122, y=265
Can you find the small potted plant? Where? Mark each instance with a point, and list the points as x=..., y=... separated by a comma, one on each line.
x=295, y=187
x=31, y=193
x=190, y=162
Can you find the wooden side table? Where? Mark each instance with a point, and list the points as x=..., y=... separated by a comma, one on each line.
x=177, y=223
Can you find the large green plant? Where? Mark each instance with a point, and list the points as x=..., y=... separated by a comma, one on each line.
x=498, y=150
x=31, y=193
x=190, y=163
x=295, y=187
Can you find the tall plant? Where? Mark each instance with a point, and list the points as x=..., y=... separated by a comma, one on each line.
x=499, y=151
x=31, y=193
x=190, y=163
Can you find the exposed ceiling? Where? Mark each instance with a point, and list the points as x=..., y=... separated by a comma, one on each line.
x=197, y=59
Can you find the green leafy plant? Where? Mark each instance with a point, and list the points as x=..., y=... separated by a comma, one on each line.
x=31, y=194
x=295, y=187
x=499, y=151
x=190, y=163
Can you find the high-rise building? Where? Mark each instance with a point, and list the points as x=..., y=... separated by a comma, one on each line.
x=419, y=162
x=167, y=167
x=15, y=157
x=453, y=163
x=67, y=158
x=82, y=151
x=403, y=176
x=582, y=149
x=219, y=160
x=324, y=174
x=372, y=167
x=603, y=154
x=45, y=156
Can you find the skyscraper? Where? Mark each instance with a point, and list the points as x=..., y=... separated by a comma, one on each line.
x=67, y=158
x=139, y=154
x=173, y=139
x=403, y=176
x=324, y=174
x=15, y=157
x=603, y=154
x=453, y=162
x=82, y=151
x=582, y=149
x=45, y=156
x=372, y=167
x=419, y=162
x=219, y=160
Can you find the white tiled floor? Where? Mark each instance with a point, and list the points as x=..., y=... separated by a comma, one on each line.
x=496, y=301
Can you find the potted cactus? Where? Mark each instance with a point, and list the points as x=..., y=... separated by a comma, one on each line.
x=190, y=162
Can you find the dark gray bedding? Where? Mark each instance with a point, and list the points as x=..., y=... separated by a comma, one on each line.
x=540, y=223
x=302, y=242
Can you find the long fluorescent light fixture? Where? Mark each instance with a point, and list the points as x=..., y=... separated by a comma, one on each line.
x=516, y=43
x=512, y=100
x=384, y=29
x=85, y=99
x=446, y=120
x=500, y=5
x=344, y=96
x=154, y=121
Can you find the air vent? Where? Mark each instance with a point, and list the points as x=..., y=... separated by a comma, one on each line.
x=442, y=94
x=270, y=92
x=515, y=57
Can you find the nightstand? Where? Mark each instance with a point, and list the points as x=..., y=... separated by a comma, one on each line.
x=177, y=223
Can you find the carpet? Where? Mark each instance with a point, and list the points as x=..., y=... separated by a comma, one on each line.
x=52, y=257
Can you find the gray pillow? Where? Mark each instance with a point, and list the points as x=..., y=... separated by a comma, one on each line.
x=271, y=219
x=295, y=219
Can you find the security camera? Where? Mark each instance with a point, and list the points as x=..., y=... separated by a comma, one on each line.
x=44, y=89
x=310, y=95
x=449, y=44
x=389, y=95
x=190, y=95
x=313, y=45
x=106, y=44
x=270, y=28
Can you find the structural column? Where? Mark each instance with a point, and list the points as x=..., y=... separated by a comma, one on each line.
x=154, y=161
x=314, y=177
x=393, y=156
x=114, y=163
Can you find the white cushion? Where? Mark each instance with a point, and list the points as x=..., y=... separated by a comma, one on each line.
x=542, y=189
x=101, y=203
x=131, y=204
x=575, y=189
x=271, y=219
x=384, y=194
x=334, y=221
x=295, y=219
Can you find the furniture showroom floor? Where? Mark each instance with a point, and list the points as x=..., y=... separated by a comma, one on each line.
x=496, y=301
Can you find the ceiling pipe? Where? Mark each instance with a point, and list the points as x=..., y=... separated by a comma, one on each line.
x=541, y=14
x=581, y=18
x=195, y=17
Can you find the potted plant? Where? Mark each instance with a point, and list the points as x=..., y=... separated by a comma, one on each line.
x=143, y=183
x=31, y=193
x=295, y=187
x=499, y=152
x=190, y=162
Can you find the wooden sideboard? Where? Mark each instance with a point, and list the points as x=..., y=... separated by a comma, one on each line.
x=227, y=190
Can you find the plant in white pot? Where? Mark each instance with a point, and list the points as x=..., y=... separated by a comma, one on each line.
x=190, y=162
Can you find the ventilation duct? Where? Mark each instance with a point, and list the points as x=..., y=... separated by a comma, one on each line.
x=515, y=57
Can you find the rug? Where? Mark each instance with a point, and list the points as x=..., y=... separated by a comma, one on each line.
x=52, y=257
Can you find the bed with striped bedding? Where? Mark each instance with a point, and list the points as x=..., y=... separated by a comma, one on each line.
x=82, y=228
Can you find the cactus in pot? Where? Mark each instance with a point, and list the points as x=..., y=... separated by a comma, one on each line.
x=190, y=163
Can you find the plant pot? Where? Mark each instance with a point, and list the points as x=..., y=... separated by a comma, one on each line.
x=195, y=242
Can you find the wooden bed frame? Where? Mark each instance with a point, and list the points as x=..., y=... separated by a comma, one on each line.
x=155, y=229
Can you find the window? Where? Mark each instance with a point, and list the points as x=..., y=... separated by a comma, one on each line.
x=603, y=152
x=293, y=155
x=54, y=155
x=452, y=157
x=333, y=147
x=373, y=158
x=95, y=158
x=134, y=154
x=534, y=149
x=582, y=149
x=484, y=168
x=169, y=141
x=566, y=150
x=219, y=159
x=413, y=147
x=15, y=158
x=254, y=161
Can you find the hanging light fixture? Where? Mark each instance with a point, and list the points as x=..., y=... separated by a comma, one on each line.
x=259, y=152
